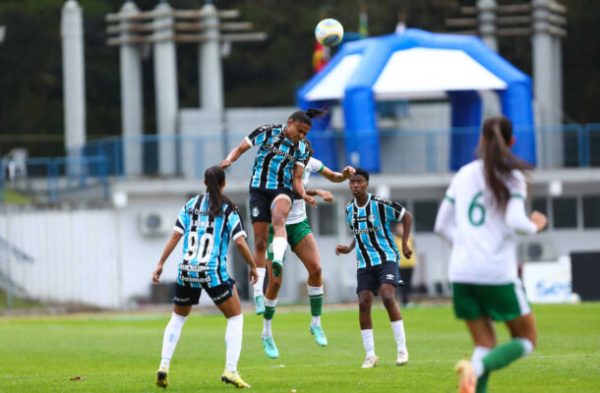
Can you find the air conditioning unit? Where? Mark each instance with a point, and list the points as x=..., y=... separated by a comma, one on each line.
x=155, y=223
x=536, y=250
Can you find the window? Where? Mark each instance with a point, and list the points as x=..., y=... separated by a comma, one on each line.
x=540, y=205
x=591, y=211
x=327, y=218
x=564, y=212
x=424, y=213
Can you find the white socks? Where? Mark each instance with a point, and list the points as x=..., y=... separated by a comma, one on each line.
x=399, y=336
x=258, y=287
x=477, y=359
x=527, y=346
x=368, y=341
x=233, y=342
x=170, y=339
x=279, y=247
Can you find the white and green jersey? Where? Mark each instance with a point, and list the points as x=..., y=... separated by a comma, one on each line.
x=484, y=239
x=298, y=212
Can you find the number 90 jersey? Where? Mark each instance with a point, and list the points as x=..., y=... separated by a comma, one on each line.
x=484, y=246
x=206, y=241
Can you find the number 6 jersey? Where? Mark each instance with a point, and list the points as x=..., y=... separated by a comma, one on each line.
x=483, y=235
x=205, y=242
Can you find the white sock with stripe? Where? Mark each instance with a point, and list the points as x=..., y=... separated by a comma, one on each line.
x=170, y=339
x=279, y=247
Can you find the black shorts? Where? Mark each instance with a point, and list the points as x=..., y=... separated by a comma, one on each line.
x=370, y=278
x=261, y=201
x=188, y=296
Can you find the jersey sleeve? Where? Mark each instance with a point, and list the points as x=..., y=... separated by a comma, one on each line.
x=450, y=195
x=182, y=221
x=515, y=214
x=394, y=211
x=259, y=136
x=349, y=216
x=314, y=165
x=235, y=226
x=518, y=186
x=302, y=155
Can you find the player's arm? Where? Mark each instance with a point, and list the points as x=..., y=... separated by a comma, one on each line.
x=445, y=225
x=341, y=249
x=242, y=245
x=406, y=226
x=169, y=247
x=324, y=194
x=299, y=187
x=337, y=177
x=234, y=154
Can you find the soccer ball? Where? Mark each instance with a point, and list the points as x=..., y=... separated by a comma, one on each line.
x=329, y=32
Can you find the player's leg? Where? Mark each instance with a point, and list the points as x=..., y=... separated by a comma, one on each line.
x=261, y=233
x=260, y=214
x=231, y=309
x=280, y=209
x=271, y=297
x=306, y=249
x=184, y=298
x=468, y=306
x=365, y=302
x=388, y=278
x=508, y=303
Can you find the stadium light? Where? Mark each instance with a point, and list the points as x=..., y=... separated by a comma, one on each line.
x=2, y=33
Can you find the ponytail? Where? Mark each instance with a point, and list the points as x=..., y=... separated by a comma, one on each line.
x=306, y=117
x=214, y=178
x=498, y=160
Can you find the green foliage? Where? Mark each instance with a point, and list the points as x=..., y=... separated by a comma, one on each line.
x=120, y=353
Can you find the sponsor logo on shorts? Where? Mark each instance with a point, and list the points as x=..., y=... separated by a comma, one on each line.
x=182, y=299
x=389, y=277
x=255, y=211
x=221, y=296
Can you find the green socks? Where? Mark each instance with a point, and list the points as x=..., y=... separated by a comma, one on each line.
x=504, y=354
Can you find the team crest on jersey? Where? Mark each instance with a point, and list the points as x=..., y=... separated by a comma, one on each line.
x=255, y=211
x=371, y=218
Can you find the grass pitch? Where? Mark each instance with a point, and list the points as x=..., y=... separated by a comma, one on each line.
x=120, y=353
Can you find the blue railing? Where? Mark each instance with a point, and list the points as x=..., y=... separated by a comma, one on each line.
x=50, y=180
x=411, y=151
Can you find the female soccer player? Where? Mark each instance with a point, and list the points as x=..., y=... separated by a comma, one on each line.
x=483, y=210
x=276, y=175
x=303, y=244
x=370, y=218
x=207, y=223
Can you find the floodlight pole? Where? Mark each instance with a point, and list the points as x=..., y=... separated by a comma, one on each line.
x=73, y=77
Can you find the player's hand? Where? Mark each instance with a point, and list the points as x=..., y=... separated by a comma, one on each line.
x=310, y=200
x=539, y=219
x=340, y=249
x=253, y=275
x=156, y=274
x=225, y=164
x=326, y=195
x=348, y=171
x=406, y=250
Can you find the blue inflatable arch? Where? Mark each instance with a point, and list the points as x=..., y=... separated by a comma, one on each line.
x=361, y=132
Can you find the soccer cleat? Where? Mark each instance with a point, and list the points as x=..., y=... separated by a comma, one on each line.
x=234, y=379
x=466, y=377
x=161, y=377
x=270, y=348
x=370, y=361
x=319, y=335
x=259, y=304
x=277, y=268
x=402, y=358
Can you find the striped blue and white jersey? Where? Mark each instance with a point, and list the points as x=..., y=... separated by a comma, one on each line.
x=205, y=242
x=371, y=226
x=276, y=157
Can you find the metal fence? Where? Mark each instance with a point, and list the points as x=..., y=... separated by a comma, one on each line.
x=402, y=151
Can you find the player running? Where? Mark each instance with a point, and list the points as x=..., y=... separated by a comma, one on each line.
x=483, y=210
x=207, y=223
x=276, y=175
x=303, y=244
x=370, y=219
